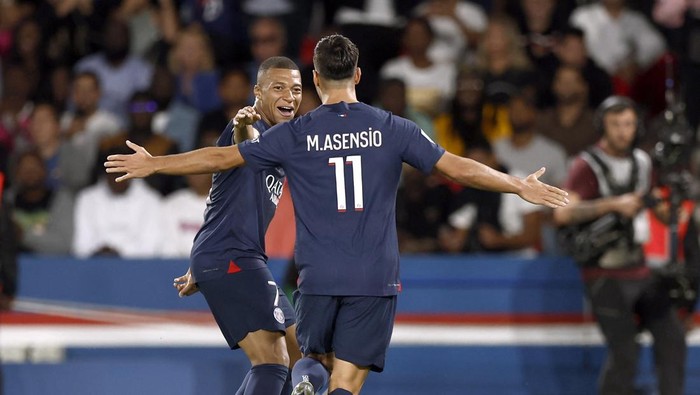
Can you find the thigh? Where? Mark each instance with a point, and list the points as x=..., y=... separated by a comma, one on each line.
x=613, y=305
x=244, y=302
x=363, y=328
x=315, y=316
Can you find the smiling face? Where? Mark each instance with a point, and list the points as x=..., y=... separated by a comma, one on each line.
x=278, y=95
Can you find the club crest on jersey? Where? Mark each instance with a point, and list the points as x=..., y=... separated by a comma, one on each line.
x=278, y=314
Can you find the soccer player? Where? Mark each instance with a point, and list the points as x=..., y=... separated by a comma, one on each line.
x=228, y=262
x=343, y=161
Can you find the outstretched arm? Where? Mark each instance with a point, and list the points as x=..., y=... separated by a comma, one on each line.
x=141, y=164
x=473, y=174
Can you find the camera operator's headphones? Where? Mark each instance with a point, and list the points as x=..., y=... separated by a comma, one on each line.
x=616, y=104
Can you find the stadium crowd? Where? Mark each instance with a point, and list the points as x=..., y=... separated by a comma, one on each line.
x=513, y=84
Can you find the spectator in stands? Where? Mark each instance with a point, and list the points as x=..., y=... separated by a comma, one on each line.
x=429, y=84
x=29, y=52
x=422, y=204
x=506, y=69
x=86, y=121
x=525, y=150
x=192, y=63
x=483, y=221
x=363, y=22
x=117, y=218
x=120, y=74
x=142, y=109
x=162, y=90
x=294, y=16
x=569, y=122
x=153, y=26
x=620, y=40
x=681, y=19
x=456, y=129
x=182, y=214
x=57, y=87
x=268, y=38
x=457, y=25
x=15, y=109
x=196, y=79
x=68, y=164
x=540, y=21
x=234, y=88
x=571, y=50
x=392, y=98
x=225, y=25
x=44, y=215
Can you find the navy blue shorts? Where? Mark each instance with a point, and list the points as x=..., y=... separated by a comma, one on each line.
x=245, y=302
x=357, y=328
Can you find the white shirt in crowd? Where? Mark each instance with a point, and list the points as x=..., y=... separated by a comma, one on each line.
x=612, y=42
x=182, y=214
x=428, y=90
x=99, y=125
x=127, y=223
x=449, y=43
x=540, y=152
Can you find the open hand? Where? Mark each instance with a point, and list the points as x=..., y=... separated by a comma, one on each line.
x=537, y=192
x=136, y=165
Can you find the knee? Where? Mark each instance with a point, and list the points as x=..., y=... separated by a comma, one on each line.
x=278, y=357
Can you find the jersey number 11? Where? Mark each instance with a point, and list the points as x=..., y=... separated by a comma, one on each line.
x=356, y=162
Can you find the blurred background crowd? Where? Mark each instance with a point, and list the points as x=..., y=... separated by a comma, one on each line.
x=511, y=83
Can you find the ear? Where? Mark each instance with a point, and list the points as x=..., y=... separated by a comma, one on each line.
x=316, y=81
x=257, y=92
x=358, y=75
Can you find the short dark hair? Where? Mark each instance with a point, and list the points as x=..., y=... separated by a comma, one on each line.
x=335, y=57
x=277, y=62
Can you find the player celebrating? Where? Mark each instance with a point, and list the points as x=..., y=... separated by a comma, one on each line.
x=343, y=161
x=228, y=262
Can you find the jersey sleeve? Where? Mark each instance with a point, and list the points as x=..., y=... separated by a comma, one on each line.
x=268, y=149
x=417, y=149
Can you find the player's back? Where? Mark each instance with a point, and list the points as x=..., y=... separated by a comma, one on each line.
x=343, y=162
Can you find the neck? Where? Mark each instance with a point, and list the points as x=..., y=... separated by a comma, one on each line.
x=263, y=116
x=340, y=93
x=569, y=113
x=614, y=10
x=613, y=152
x=34, y=194
x=498, y=64
x=522, y=138
x=421, y=60
x=49, y=149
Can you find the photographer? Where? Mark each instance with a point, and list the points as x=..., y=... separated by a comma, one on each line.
x=607, y=184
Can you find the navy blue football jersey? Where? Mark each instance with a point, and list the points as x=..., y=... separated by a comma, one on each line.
x=240, y=206
x=343, y=162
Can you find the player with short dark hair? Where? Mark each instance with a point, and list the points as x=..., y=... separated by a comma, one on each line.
x=228, y=262
x=343, y=161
